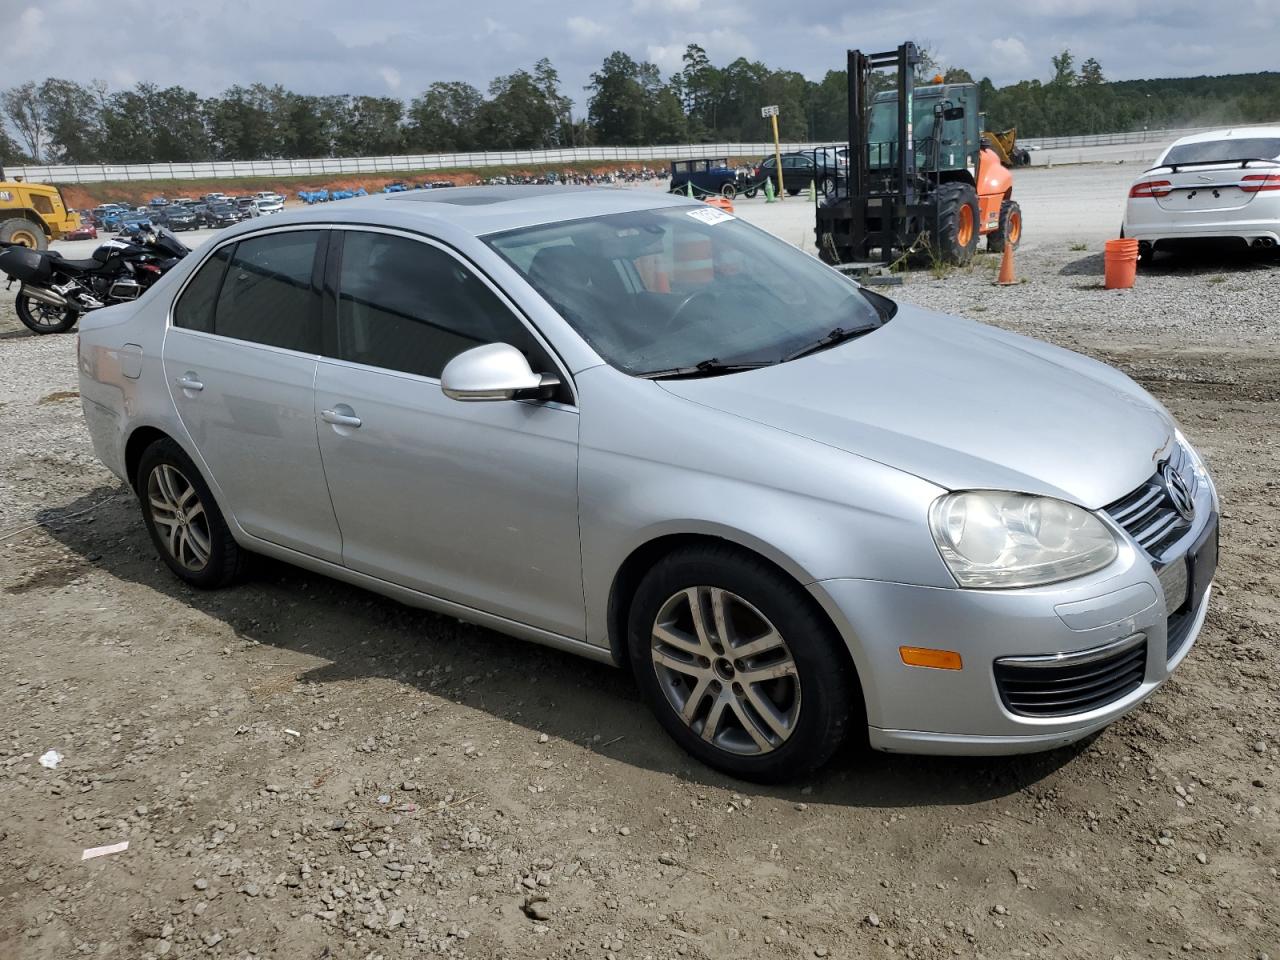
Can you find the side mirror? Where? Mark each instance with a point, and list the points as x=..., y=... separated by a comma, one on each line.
x=495, y=371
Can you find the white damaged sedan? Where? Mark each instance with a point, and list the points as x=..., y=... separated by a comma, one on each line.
x=1219, y=184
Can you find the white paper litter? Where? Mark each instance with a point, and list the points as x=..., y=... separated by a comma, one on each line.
x=104, y=851
x=292, y=733
x=50, y=759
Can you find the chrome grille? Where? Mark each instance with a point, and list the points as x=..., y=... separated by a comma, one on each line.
x=1148, y=515
x=1060, y=685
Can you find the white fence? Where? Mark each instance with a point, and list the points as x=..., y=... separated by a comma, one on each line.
x=216, y=170
x=1161, y=137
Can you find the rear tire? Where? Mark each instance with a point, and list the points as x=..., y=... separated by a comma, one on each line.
x=185, y=524
x=955, y=234
x=829, y=187
x=806, y=683
x=1009, y=232
x=41, y=317
x=22, y=232
x=728, y=191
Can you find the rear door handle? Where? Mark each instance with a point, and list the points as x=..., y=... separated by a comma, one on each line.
x=188, y=381
x=341, y=417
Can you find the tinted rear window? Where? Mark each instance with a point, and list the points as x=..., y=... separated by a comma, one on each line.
x=1225, y=151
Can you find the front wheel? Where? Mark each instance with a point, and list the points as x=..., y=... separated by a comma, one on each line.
x=750, y=192
x=955, y=233
x=740, y=666
x=729, y=191
x=829, y=187
x=40, y=317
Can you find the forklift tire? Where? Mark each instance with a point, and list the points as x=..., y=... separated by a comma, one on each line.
x=1010, y=230
x=955, y=233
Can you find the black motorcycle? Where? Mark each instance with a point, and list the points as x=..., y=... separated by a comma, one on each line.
x=55, y=291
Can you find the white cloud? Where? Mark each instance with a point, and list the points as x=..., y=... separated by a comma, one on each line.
x=392, y=76
x=584, y=29
x=667, y=6
x=1011, y=53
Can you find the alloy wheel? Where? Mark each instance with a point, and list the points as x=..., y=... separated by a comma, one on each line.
x=179, y=517
x=726, y=670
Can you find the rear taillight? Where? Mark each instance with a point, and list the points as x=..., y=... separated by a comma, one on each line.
x=1258, y=182
x=1151, y=188
x=149, y=267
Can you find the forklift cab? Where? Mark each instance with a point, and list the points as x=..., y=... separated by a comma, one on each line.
x=945, y=127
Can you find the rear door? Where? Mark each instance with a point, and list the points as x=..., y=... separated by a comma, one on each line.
x=240, y=359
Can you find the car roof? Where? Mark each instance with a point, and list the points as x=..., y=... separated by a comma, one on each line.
x=479, y=211
x=1229, y=133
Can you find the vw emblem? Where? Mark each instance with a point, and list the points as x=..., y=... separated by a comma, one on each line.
x=1179, y=493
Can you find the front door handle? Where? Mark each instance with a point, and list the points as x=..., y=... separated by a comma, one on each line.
x=341, y=417
x=189, y=381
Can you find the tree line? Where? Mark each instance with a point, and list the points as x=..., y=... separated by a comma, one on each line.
x=629, y=102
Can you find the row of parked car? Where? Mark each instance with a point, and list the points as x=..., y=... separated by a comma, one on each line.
x=179, y=213
x=823, y=168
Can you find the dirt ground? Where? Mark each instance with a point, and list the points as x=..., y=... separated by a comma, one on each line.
x=304, y=770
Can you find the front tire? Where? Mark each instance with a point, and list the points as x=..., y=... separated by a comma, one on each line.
x=728, y=191
x=739, y=664
x=185, y=524
x=43, y=318
x=22, y=232
x=955, y=234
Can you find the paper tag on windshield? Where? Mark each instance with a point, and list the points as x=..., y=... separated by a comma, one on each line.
x=710, y=215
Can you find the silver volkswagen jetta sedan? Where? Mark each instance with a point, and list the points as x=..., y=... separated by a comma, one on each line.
x=639, y=429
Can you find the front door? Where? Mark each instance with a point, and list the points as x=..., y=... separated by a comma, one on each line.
x=472, y=502
x=240, y=361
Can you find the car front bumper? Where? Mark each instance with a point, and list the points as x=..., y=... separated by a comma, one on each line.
x=913, y=709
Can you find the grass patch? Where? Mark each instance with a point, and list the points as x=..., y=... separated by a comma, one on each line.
x=1079, y=246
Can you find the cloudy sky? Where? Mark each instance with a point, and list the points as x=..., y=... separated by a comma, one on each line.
x=399, y=46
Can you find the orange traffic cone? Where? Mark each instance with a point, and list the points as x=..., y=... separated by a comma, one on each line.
x=1006, y=277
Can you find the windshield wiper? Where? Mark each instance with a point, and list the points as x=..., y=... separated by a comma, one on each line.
x=704, y=368
x=838, y=335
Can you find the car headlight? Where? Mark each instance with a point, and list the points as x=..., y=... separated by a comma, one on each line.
x=991, y=539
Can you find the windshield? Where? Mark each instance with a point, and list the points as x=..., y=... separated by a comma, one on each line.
x=657, y=290
x=1224, y=151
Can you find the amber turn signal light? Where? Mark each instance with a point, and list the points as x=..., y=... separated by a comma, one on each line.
x=925, y=657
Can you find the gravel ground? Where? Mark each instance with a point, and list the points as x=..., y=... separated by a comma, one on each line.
x=304, y=770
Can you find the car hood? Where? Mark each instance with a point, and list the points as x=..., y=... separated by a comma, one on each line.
x=962, y=405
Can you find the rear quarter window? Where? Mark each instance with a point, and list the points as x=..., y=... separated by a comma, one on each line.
x=194, y=309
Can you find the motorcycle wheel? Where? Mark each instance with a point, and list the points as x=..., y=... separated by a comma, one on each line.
x=42, y=317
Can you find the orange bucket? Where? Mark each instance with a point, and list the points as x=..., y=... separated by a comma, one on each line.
x=724, y=203
x=1121, y=264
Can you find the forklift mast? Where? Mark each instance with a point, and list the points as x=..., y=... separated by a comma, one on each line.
x=860, y=67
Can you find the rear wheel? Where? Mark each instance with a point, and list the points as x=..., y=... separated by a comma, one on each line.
x=955, y=234
x=791, y=192
x=185, y=524
x=829, y=187
x=22, y=232
x=1009, y=232
x=41, y=317
x=739, y=665
x=728, y=191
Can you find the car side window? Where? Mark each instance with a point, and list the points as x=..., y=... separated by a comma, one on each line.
x=408, y=306
x=269, y=295
x=194, y=309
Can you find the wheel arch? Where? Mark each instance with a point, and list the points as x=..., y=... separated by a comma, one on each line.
x=137, y=442
x=626, y=580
